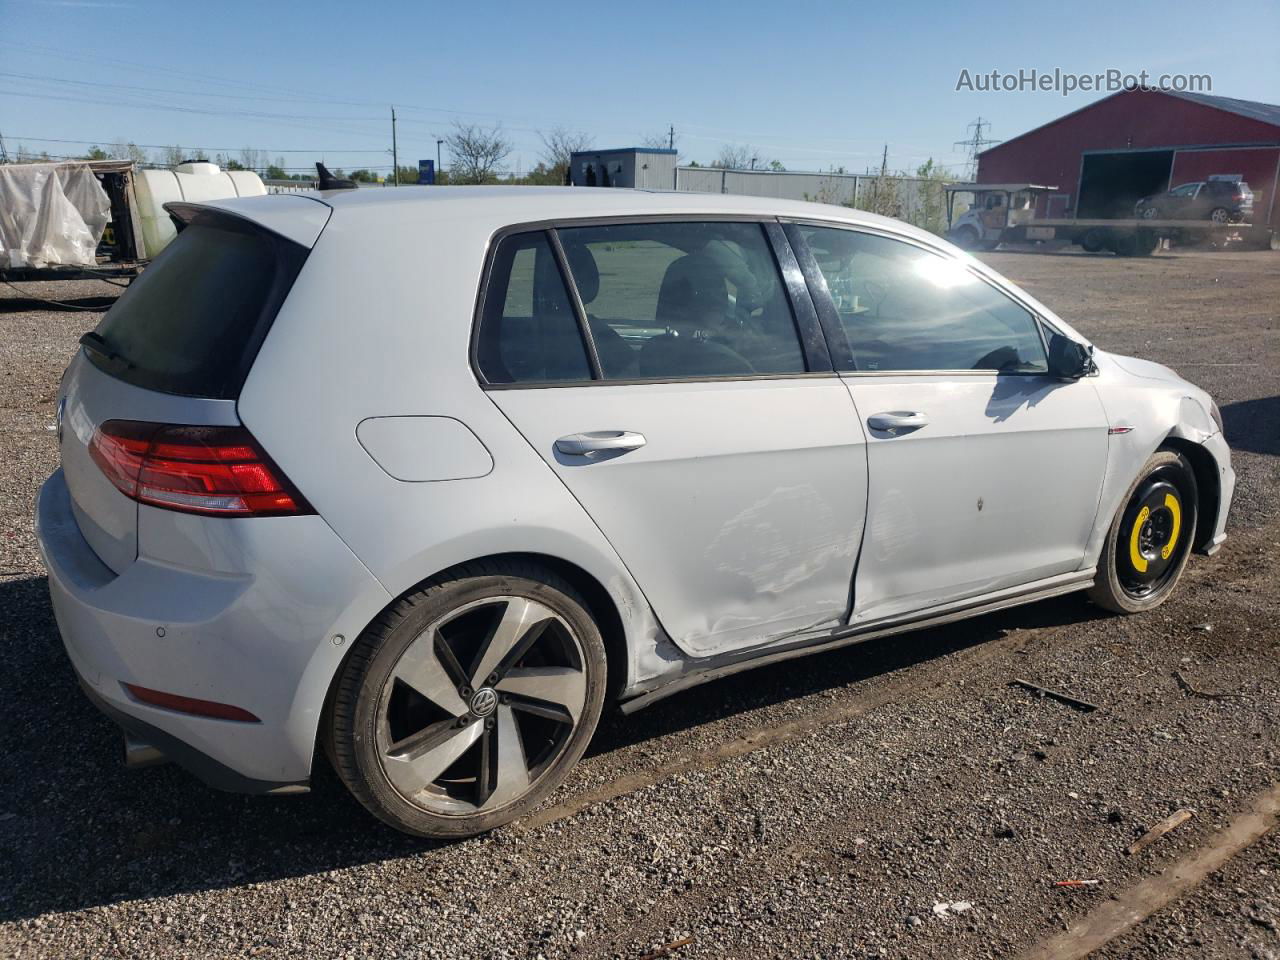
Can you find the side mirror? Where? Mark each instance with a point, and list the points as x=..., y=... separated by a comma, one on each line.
x=1068, y=359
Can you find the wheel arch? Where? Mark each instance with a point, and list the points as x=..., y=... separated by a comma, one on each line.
x=1208, y=486
x=600, y=603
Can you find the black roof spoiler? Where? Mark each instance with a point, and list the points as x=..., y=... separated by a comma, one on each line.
x=329, y=182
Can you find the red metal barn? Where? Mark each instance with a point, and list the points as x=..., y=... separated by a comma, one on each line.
x=1105, y=156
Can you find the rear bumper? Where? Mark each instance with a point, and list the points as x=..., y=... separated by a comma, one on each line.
x=211, y=771
x=247, y=619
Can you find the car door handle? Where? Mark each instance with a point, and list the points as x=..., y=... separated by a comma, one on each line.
x=599, y=441
x=897, y=422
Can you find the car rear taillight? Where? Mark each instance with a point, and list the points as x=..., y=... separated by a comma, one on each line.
x=215, y=471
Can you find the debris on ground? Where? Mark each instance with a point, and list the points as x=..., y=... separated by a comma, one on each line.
x=1171, y=822
x=1203, y=627
x=946, y=907
x=667, y=949
x=1074, y=702
x=1187, y=688
x=1076, y=883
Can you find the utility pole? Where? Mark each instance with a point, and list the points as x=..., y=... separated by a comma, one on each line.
x=438, y=167
x=880, y=184
x=395, y=156
x=671, y=137
x=4, y=154
x=974, y=146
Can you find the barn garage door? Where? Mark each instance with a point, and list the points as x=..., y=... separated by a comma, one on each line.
x=1111, y=183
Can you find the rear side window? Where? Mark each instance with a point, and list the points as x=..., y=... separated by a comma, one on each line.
x=683, y=300
x=529, y=332
x=192, y=323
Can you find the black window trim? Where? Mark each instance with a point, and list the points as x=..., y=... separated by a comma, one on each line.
x=830, y=316
x=814, y=342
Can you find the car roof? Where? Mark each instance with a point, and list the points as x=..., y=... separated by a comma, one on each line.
x=496, y=207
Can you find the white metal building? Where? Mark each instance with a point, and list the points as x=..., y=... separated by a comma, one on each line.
x=645, y=168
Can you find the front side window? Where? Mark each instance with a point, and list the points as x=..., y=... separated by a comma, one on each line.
x=905, y=308
x=529, y=332
x=683, y=300
x=1186, y=190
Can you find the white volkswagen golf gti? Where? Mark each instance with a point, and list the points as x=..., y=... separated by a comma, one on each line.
x=428, y=476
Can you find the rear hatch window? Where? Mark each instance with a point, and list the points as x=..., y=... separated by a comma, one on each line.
x=192, y=323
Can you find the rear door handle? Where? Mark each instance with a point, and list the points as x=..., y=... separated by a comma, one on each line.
x=599, y=441
x=897, y=422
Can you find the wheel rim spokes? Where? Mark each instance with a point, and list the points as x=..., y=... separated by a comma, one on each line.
x=430, y=668
x=519, y=627
x=528, y=688
x=504, y=767
x=487, y=730
x=428, y=754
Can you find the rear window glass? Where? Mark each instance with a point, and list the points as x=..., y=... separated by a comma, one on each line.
x=193, y=321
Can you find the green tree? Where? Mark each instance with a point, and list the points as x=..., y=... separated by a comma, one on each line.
x=97, y=153
x=930, y=211
x=363, y=176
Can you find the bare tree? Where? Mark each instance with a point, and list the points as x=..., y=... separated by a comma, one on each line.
x=735, y=156
x=663, y=141
x=558, y=146
x=474, y=153
x=252, y=159
x=128, y=151
x=170, y=156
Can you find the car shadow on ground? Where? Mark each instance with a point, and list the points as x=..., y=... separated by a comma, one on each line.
x=1253, y=425
x=73, y=304
x=78, y=830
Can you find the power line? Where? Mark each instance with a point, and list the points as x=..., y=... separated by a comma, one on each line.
x=165, y=146
x=973, y=146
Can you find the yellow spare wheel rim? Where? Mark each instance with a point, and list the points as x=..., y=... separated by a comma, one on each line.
x=1152, y=532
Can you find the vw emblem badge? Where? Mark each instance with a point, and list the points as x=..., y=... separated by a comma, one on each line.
x=484, y=702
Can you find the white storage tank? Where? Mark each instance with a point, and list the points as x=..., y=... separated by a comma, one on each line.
x=193, y=181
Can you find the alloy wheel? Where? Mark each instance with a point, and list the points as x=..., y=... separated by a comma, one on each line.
x=480, y=705
x=1219, y=215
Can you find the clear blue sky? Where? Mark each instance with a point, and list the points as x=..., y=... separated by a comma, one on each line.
x=810, y=84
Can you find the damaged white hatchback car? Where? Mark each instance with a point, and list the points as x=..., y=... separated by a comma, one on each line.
x=429, y=476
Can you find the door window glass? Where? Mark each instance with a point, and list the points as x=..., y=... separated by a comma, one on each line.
x=681, y=300
x=904, y=308
x=529, y=332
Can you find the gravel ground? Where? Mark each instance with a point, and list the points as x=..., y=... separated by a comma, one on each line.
x=897, y=799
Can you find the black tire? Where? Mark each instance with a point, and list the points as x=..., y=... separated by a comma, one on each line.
x=466, y=610
x=966, y=238
x=1220, y=215
x=1094, y=240
x=1125, y=244
x=1149, y=541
